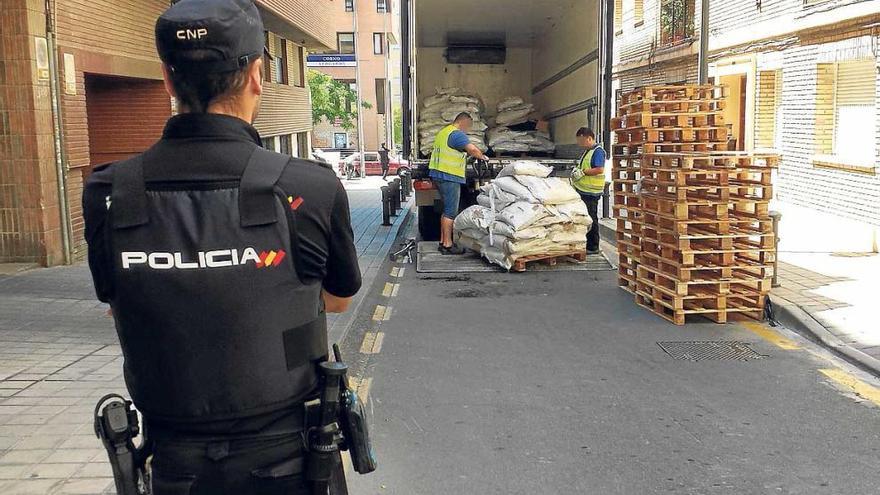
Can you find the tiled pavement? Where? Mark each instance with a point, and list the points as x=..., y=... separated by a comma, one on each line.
x=59, y=355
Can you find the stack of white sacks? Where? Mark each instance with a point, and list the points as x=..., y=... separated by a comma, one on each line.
x=524, y=212
x=440, y=110
x=512, y=111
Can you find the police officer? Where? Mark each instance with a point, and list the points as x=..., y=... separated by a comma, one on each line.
x=219, y=260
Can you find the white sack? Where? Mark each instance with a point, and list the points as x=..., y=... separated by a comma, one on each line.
x=549, y=191
x=515, y=188
x=511, y=147
x=524, y=167
x=475, y=217
x=509, y=102
x=522, y=215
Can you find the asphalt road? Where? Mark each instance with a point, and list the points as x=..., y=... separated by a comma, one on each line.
x=555, y=384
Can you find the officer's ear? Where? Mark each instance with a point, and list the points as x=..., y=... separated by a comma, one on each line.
x=169, y=86
x=255, y=77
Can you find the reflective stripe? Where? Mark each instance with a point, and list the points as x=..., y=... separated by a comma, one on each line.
x=593, y=184
x=446, y=159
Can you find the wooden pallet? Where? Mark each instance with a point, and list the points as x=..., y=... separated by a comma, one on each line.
x=627, y=271
x=653, y=117
x=702, y=285
x=711, y=161
x=739, y=267
x=640, y=135
x=639, y=149
x=698, y=226
x=671, y=92
x=654, y=109
x=521, y=264
x=718, y=309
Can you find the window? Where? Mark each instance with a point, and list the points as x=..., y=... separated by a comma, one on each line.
x=639, y=12
x=676, y=21
x=279, y=74
x=378, y=43
x=768, y=118
x=345, y=42
x=297, y=57
x=383, y=6
x=286, y=144
x=349, y=5
x=270, y=142
x=267, y=64
x=349, y=103
x=380, y=96
x=618, y=16
x=854, y=112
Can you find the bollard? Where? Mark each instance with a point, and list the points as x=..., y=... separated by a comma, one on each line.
x=394, y=197
x=386, y=206
x=406, y=180
x=776, y=216
x=402, y=191
x=395, y=194
x=606, y=201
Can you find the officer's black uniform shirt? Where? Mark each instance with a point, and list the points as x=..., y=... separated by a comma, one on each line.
x=213, y=148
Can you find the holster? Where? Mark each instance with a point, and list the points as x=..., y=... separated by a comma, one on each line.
x=116, y=425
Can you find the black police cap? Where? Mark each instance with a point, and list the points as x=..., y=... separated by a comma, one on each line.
x=228, y=33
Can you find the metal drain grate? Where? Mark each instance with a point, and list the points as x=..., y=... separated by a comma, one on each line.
x=730, y=350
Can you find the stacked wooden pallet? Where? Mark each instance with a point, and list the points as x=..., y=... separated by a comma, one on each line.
x=694, y=231
x=707, y=242
x=653, y=120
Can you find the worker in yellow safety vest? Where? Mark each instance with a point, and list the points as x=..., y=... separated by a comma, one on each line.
x=447, y=169
x=588, y=177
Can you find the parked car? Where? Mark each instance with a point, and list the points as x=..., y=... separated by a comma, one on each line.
x=374, y=167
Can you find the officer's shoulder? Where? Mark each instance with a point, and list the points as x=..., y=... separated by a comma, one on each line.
x=310, y=169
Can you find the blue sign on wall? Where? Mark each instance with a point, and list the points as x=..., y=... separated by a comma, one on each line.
x=338, y=60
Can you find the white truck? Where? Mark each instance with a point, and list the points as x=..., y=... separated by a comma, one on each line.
x=548, y=52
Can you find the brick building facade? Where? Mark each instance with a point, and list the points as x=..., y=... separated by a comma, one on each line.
x=378, y=29
x=802, y=79
x=111, y=104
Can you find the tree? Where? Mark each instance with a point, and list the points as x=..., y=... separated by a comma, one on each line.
x=332, y=100
x=397, y=121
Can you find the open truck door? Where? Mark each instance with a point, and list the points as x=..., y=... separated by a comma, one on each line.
x=555, y=55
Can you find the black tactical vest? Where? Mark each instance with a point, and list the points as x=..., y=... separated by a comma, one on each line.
x=213, y=320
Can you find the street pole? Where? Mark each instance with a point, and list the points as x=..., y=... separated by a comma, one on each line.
x=357, y=83
x=606, y=71
x=389, y=133
x=704, y=43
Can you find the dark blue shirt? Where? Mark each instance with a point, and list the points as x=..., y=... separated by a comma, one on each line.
x=598, y=160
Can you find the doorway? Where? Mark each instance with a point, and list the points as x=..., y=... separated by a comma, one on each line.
x=735, y=110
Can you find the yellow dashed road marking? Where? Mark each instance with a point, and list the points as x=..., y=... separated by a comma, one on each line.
x=390, y=290
x=770, y=335
x=398, y=271
x=382, y=313
x=367, y=344
x=860, y=388
x=363, y=389
x=372, y=343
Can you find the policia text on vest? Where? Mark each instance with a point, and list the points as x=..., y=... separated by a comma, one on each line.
x=220, y=260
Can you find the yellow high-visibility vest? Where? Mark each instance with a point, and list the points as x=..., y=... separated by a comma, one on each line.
x=591, y=184
x=445, y=159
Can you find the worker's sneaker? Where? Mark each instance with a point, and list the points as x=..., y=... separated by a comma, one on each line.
x=451, y=250
x=593, y=251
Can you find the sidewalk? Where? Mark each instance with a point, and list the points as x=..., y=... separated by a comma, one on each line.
x=827, y=270
x=59, y=355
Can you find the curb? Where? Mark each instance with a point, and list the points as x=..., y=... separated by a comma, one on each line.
x=340, y=328
x=795, y=318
